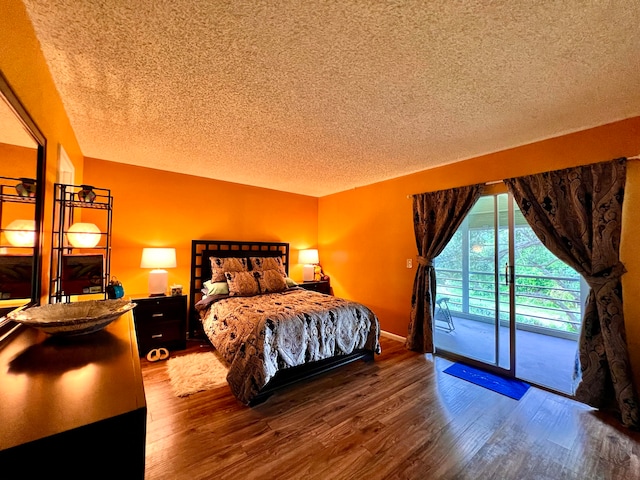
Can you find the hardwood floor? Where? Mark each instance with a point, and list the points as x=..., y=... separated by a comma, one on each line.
x=398, y=417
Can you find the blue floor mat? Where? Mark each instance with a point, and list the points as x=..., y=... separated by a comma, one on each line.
x=506, y=386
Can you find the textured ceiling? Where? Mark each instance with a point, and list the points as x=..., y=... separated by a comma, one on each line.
x=320, y=96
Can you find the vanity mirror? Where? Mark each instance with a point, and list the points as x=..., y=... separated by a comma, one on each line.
x=22, y=178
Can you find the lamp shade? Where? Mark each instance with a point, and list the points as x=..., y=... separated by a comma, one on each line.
x=308, y=257
x=21, y=233
x=158, y=258
x=83, y=235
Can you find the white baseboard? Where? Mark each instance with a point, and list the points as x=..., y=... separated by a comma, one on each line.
x=392, y=336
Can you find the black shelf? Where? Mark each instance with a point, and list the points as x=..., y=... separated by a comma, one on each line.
x=11, y=198
x=16, y=279
x=95, y=205
x=19, y=285
x=67, y=203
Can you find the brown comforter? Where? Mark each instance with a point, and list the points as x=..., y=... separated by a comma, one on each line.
x=259, y=335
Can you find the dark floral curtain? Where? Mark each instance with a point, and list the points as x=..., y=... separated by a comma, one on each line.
x=577, y=214
x=436, y=217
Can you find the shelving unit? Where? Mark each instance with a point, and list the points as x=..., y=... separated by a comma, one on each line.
x=16, y=261
x=66, y=204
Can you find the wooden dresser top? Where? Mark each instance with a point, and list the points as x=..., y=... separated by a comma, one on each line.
x=49, y=385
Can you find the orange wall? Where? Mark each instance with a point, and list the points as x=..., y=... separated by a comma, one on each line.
x=366, y=234
x=24, y=67
x=17, y=162
x=153, y=208
x=631, y=258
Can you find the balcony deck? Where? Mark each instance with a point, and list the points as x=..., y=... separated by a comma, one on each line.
x=543, y=359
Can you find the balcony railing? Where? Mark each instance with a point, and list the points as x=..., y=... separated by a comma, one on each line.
x=548, y=302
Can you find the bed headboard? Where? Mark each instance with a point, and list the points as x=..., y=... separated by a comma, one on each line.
x=201, y=250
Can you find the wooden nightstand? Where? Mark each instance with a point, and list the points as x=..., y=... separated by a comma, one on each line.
x=161, y=322
x=322, y=286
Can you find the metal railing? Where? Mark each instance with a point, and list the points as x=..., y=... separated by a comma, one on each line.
x=544, y=302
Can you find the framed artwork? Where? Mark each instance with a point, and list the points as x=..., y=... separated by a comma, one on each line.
x=82, y=274
x=15, y=276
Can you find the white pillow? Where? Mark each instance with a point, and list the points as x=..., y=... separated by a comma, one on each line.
x=216, y=288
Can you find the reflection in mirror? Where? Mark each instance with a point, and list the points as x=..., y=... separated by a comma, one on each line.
x=21, y=187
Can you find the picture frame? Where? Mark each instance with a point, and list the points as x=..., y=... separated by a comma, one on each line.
x=15, y=276
x=82, y=274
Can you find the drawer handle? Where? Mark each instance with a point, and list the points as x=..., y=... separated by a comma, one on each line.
x=158, y=335
x=157, y=315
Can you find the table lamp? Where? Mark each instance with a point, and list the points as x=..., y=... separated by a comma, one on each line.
x=21, y=233
x=310, y=259
x=158, y=259
x=83, y=235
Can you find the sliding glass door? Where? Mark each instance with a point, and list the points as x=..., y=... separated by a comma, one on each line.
x=504, y=301
x=549, y=297
x=472, y=289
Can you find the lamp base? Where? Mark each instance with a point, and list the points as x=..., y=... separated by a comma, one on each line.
x=307, y=273
x=158, y=283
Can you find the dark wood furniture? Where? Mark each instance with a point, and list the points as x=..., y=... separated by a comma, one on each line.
x=161, y=322
x=321, y=286
x=72, y=407
x=201, y=250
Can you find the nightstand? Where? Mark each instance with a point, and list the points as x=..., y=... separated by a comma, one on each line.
x=322, y=286
x=161, y=322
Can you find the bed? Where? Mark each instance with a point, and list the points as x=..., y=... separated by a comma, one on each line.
x=269, y=332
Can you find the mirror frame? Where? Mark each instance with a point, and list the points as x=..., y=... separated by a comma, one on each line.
x=30, y=126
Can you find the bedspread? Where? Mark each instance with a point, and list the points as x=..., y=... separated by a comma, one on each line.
x=259, y=335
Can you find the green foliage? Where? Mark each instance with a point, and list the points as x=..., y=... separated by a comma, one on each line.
x=547, y=290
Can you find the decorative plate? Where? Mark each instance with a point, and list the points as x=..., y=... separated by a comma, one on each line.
x=76, y=318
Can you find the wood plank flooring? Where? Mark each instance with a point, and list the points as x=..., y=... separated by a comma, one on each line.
x=399, y=417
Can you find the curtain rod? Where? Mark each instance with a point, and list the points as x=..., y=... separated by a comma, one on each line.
x=493, y=182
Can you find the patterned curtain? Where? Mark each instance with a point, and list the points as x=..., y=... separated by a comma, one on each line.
x=436, y=217
x=577, y=214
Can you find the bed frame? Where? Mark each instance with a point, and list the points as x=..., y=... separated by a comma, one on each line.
x=201, y=250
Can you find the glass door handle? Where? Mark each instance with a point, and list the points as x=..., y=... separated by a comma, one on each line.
x=509, y=274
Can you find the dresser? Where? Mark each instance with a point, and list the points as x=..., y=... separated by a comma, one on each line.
x=72, y=407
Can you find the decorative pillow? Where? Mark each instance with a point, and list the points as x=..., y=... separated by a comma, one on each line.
x=220, y=265
x=216, y=288
x=268, y=263
x=271, y=281
x=242, y=284
x=290, y=282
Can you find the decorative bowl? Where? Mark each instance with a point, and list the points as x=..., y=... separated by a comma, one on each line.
x=76, y=318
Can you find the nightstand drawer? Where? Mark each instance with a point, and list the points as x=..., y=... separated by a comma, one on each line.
x=159, y=309
x=321, y=286
x=162, y=333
